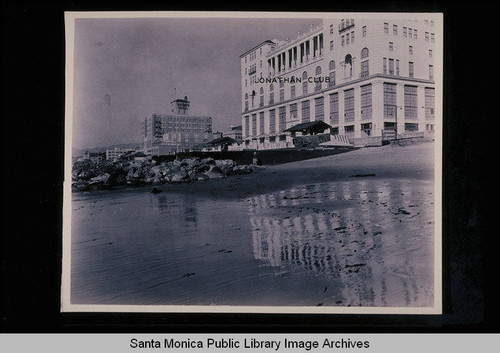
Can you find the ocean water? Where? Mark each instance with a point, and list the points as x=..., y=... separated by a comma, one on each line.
x=357, y=242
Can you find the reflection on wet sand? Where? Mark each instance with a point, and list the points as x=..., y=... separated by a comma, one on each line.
x=360, y=242
x=374, y=238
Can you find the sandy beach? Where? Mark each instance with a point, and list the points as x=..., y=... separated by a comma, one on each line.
x=354, y=229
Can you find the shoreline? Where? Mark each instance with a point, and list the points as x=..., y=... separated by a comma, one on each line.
x=365, y=163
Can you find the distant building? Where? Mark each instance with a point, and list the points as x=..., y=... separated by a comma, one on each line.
x=114, y=154
x=235, y=133
x=93, y=156
x=166, y=133
x=364, y=77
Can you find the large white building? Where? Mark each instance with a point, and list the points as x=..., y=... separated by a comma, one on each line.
x=364, y=77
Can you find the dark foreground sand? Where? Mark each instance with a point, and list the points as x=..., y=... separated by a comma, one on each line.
x=354, y=229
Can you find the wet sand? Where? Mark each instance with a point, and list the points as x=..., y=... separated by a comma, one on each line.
x=354, y=229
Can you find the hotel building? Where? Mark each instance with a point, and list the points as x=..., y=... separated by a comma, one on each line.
x=166, y=133
x=364, y=77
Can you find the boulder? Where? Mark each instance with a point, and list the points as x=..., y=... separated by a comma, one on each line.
x=157, y=181
x=203, y=177
x=101, y=179
x=85, y=174
x=224, y=162
x=80, y=185
x=120, y=180
x=214, y=173
x=156, y=170
x=194, y=175
x=203, y=167
x=137, y=173
x=241, y=169
x=207, y=161
x=180, y=176
x=190, y=163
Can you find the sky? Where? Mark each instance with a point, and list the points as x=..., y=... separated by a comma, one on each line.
x=128, y=68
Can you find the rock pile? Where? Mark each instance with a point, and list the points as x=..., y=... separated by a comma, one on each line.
x=88, y=175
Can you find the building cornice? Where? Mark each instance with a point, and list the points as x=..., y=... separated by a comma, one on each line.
x=257, y=47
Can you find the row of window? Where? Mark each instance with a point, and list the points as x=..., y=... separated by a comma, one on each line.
x=394, y=69
x=330, y=82
x=390, y=108
x=409, y=32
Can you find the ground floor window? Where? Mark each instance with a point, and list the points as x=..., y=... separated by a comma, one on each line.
x=389, y=100
x=349, y=131
x=282, y=119
x=366, y=102
x=334, y=108
x=429, y=127
x=247, y=126
x=254, y=124
x=319, y=108
x=389, y=126
x=411, y=102
x=282, y=137
x=334, y=130
x=366, y=128
x=349, y=105
x=261, y=123
x=293, y=111
x=306, y=111
x=411, y=127
x=429, y=103
x=272, y=121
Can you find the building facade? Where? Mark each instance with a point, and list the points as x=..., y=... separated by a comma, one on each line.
x=179, y=131
x=364, y=77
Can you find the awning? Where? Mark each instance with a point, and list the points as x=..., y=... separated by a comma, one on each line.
x=222, y=140
x=315, y=127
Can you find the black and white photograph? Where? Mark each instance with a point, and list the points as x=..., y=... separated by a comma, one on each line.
x=245, y=162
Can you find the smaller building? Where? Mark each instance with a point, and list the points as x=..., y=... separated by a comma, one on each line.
x=235, y=132
x=93, y=156
x=134, y=156
x=169, y=133
x=114, y=154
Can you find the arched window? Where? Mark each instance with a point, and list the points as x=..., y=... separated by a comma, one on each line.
x=304, y=75
x=364, y=53
x=331, y=66
x=318, y=70
x=246, y=95
x=271, y=87
x=261, y=90
x=348, y=66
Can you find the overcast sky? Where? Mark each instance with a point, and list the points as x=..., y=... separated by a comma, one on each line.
x=125, y=69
